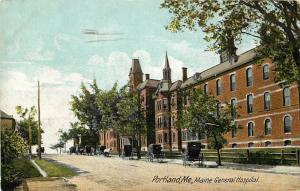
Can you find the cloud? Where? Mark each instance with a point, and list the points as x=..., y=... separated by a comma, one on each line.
x=204, y=59
x=95, y=60
x=18, y=88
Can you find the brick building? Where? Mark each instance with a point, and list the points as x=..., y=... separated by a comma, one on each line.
x=269, y=111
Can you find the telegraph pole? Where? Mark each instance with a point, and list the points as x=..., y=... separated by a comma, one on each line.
x=30, y=137
x=39, y=123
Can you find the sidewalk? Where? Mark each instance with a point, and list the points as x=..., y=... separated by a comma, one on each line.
x=291, y=170
x=47, y=184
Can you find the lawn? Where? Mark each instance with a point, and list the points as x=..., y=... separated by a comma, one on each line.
x=54, y=169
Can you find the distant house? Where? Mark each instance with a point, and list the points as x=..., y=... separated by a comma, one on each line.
x=7, y=121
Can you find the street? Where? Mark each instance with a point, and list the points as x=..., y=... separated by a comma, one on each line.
x=101, y=173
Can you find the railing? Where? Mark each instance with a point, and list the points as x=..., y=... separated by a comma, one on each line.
x=256, y=156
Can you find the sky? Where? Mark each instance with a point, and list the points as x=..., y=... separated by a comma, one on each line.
x=45, y=40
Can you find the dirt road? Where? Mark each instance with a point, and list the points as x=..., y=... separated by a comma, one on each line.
x=107, y=174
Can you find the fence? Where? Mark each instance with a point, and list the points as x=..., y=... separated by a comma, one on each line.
x=265, y=156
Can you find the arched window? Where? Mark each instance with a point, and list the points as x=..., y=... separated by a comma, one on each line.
x=250, y=103
x=165, y=137
x=287, y=124
x=249, y=77
x=234, y=145
x=233, y=104
x=234, y=131
x=287, y=142
x=250, y=144
x=232, y=82
x=174, y=137
x=268, y=127
x=250, y=129
x=266, y=72
x=267, y=101
x=268, y=144
x=219, y=87
x=286, y=96
x=205, y=89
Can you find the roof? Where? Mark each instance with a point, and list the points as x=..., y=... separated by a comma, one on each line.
x=243, y=58
x=4, y=115
x=176, y=85
x=136, y=67
x=167, y=65
x=148, y=83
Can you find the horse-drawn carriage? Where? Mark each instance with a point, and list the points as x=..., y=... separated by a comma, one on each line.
x=192, y=153
x=155, y=152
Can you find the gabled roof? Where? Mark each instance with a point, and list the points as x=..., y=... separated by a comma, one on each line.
x=176, y=85
x=148, y=83
x=243, y=58
x=4, y=115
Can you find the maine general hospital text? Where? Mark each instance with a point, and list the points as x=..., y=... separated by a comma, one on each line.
x=205, y=180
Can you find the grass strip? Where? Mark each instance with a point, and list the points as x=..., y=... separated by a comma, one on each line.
x=54, y=169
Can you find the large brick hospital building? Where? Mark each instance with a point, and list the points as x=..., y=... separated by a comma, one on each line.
x=268, y=111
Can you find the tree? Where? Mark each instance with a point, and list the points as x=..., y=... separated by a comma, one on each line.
x=58, y=145
x=274, y=24
x=108, y=101
x=13, y=146
x=64, y=137
x=87, y=111
x=132, y=117
x=203, y=116
x=28, y=121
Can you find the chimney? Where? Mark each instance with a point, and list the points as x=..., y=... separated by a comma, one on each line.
x=147, y=76
x=184, y=74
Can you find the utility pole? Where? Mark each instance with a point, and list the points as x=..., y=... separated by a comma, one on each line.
x=39, y=123
x=30, y=137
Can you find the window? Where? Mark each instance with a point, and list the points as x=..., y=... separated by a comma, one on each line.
x=202, y=135
x=232, y=82
x=250, y=144
x=249, y=76
x=287, y=124
x=185, y=100
x=174, y=136
x=268, y=144
x=205, y=89
x=286, y=96
x=165, y=103
x=165, y=122
x=250, y=103
x=183, y=136
x=267, y=101
x=173, y=121
x=159, y=137
x=287, y=142
x=192, y=135
x=234, y=145
x=233, y=104
x=233, y=133
x=165, y=137
x=268, y=127
x=250, y=129
x=266, y=72
x=158, y=105
x=219, y=87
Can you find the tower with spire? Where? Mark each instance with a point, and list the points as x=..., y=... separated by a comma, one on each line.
x=135, y=74
x=167, y=70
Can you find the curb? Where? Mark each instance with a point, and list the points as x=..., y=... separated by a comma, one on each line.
x=42, y=172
